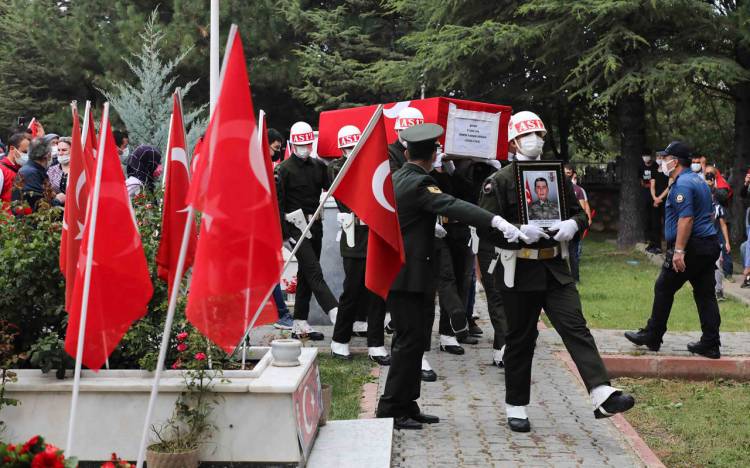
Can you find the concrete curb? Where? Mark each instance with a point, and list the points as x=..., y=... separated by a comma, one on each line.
x=369, y=400
x=682, y=367
x=639, y=446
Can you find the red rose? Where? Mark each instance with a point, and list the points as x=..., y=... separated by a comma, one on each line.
x=200, y=356
x=27, y=211
x=11, y=447
x=177, y=364
x=30, y=443
x=182, y=336
x=50, y=458
x=108, y=464
x=181, y=347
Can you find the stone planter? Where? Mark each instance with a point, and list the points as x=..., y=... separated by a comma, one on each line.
x=256, y=421
x=189, y=459
x=286, y=352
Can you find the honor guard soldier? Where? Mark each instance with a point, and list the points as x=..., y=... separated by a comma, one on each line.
x=355, y=297
x=534, y=275
x=300, y=180
x=692, y=250
x=412, y=296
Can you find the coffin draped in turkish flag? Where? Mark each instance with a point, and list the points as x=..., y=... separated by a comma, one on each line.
x=238, y=258
x=120, y=282
x=367, y=189
x=174, y=210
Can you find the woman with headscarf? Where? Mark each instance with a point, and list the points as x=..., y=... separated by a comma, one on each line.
x=144, y=167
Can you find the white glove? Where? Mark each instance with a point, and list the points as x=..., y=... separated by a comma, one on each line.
x=440, y=231
x=565, y=230
x=533, y=232
x=493, y=162
x=449, y=167
x=510, y=232
x=438, y=161
x=289, y=243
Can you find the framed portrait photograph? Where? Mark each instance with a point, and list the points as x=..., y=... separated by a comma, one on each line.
x=540, y=192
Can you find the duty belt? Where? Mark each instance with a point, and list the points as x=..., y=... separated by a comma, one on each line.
x=539, y=254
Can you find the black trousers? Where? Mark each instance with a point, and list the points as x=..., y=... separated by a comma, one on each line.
x=310, y=276
x=454, y=278
x=355, y=298
x=562, y=305
x=700, y=263
x=652, y=219
x=494, y=299
x=410, y=314
x=573, y=260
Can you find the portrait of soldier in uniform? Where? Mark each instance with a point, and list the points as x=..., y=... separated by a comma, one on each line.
x=542, y=198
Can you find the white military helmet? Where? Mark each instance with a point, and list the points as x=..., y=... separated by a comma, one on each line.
x=301, y=134
x=348, y=136
x=524, y=122
x=408, y=118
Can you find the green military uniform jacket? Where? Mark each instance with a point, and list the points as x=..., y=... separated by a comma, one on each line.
x=299, y=183
x=419, y=200
x=499, y=196
x=360, y=232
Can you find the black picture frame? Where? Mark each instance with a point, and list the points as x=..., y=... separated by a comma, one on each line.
x=532, y=209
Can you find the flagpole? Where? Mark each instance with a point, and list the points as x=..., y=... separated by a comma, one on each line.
x=365, y=135
x=85, y=127
x=86, y=287
x=168, y=156
x=166, y=334
x=214, y=52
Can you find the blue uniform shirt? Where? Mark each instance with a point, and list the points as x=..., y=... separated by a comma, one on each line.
x=689, y=197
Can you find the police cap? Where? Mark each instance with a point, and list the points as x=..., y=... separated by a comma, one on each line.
x=422, y=137
x=677, y=149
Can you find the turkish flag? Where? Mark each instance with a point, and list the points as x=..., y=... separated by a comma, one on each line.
x=36, y=128
x=174, y=210
x=238, y=258
x=74, y=215
x=367, y=189
x=528, y=194
x=120, y=283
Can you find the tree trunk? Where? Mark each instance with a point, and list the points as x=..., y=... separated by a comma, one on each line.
x=631, y=110
x=741, y=93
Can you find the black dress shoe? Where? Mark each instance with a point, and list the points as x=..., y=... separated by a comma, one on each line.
x=474, y=329
x=341, y=357
x=644, y=337
x=388, y=328
x=426, y=418
x=709, y=351
x=618, y=402
x=312, y=336
x=382, y=360
x=405, y=422
x=453, y=349
x=467, y=340
x=428, y=375
x=519, y=425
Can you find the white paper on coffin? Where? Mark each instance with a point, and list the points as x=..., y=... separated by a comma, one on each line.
x=471, y=134
x=255, y=421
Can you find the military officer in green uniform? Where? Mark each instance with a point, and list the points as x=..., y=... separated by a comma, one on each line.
x=532, y=276
x=412, y=296
x=356, y=297
x=543, y=208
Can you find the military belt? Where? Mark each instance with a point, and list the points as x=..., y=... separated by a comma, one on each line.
x=447, y=220
x=539, y=254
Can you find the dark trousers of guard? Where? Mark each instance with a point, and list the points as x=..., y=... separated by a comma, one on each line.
x=410, y=315
x=562, y=305
x=310, y=276
x=454, y=278
x=494, y=299
x=356, y=297
x=700, y=263
x=652, y=219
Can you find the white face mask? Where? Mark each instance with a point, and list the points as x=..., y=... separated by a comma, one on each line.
x=529, y=147
x=22, y=158
x=695, y=167
x=54, y=151
x=302, y=151
x=646, y=159
x=63, y=159
x=665, y=167
x=125, y=154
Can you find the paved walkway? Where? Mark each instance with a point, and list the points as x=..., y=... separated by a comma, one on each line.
x=675, y=343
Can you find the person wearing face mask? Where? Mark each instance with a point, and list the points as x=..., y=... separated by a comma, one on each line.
x=143, y=169
x=692, y=251
x=300, y=179
x=123, y=150
x=356, y=297
x=533, y=275
x=17, y=155
x=275, y=146
x=646, y=173
x=52, y=139
x=659, y=188
x=58, y=173
x=33, y=180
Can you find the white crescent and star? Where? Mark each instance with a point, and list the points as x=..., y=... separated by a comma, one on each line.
x=257, y=162
x=378, y=185
x=392, y=112
x=309, y=426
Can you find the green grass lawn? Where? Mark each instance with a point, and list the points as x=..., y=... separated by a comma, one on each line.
x=692, y=424
x=347, y=379
x=617, y=290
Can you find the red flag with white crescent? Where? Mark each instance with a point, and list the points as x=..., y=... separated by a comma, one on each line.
x=174, y=210
x=528, y=194
x=367, y=189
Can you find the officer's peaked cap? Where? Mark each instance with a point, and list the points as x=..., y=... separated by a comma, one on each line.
x=679, y=150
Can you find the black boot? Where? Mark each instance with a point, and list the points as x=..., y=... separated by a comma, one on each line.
x=519, y=425
x=706, y=350
x=644, y=337
x=618, y=402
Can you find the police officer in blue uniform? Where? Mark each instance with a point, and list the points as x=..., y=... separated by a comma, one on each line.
x=692, y=251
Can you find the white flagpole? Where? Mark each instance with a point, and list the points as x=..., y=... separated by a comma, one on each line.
x=214, y=55
x=86, y=287
x=168, y=156
x=365, y=135
x=85, y=127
